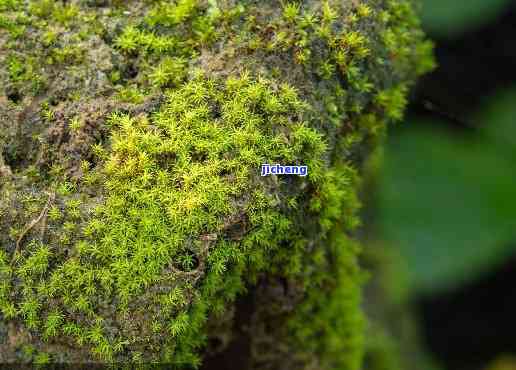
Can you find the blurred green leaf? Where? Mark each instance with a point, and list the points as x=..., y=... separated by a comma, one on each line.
x=504, y=362
x=449, y=201
x=447, y=18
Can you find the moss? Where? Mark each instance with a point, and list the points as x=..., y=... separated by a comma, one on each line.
x=213, y=138
x=393, y=101
x=170, y=72
x=133, y=210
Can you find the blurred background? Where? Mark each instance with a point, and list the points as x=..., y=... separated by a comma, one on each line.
x=442, y=203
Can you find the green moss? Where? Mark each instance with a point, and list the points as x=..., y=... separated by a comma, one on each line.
x=42, y=359
x=213, y=161
x=172, y=14
x=42, y=8
x=130, y=94
x=9, y=4
x=393, y=101
x=170, y=72
x=11, y=26
x=65, y=14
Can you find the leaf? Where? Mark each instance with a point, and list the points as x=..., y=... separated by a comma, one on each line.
x=445, y=18
x=448, y=201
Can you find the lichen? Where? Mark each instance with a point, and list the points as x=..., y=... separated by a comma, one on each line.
x=133, y=213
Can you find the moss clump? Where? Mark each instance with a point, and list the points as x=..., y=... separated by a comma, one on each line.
x=133, y=213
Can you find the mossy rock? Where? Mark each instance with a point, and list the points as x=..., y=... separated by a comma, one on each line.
x=135, y=224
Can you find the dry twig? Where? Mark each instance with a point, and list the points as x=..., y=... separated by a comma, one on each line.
x=51, y=198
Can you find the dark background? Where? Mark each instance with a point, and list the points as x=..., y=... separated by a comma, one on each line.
x=469, y=326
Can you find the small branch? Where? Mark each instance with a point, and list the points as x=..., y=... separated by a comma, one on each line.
x=51, y=198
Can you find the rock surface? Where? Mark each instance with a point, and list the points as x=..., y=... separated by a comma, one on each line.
x=135, y=225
